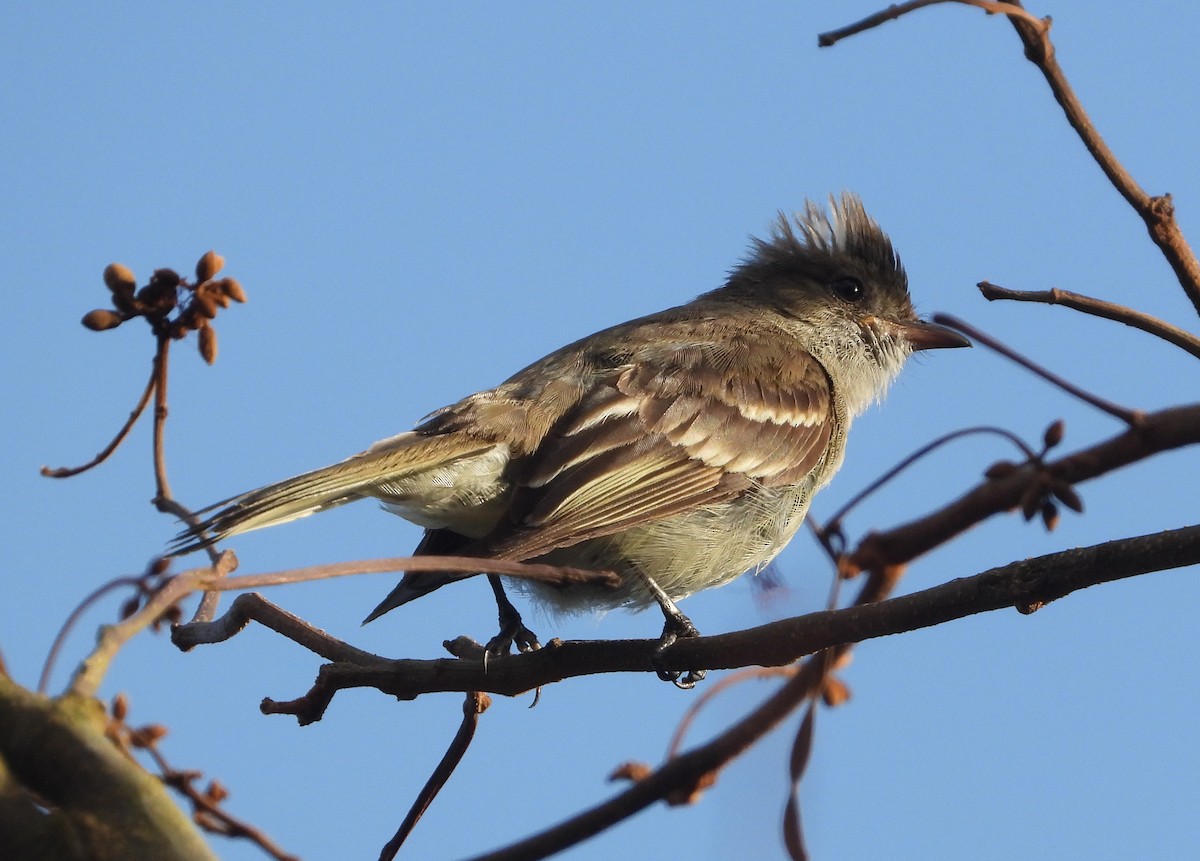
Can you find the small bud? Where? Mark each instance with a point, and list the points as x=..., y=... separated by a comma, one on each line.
x=1049, y=515
x=1068, y=496
x=631, y=771
x=208, y=266
x=151, y=733
x=204, y=305
x=119, y=278
x=1031, y=500
x=1054, y=434
x=102, y=319
x=231, y=288
x=131, y=606
x=120, y=707
x=208, y=344
x=1000, y=469
x=216, y=793
x=214, y=294
x=835, y=692
x=160, y=565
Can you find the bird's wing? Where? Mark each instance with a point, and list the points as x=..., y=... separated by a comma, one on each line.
x=678, y=429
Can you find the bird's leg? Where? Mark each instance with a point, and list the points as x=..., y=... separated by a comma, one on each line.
x=676, y=627
x=512, y=629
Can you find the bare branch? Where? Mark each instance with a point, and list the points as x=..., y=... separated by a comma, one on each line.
x=1025, y=585
x=1130, y=417
x=106, y=452
x=1158, y=212
x=473, y=706
x=1159, y=432
x=1099, y=308
x=891, y=13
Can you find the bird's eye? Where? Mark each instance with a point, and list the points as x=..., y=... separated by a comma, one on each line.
x=848, y=289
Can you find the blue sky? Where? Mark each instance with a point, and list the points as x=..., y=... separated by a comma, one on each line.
x=422, y=198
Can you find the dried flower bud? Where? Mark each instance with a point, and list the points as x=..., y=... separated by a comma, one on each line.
x=102, y=319
x=214, y=294
x=150, y=733
x=120, y=707
x=208, y=266
x=131, y=606
x=631, y=771
x=1067, y=496
x=119, y=278
x=204, y=305
x=835, y=692
x=1031, y=500
x=160, y=565
x=1049, y=515
x=1000, y=469
x=208, y=344
x=1054, y=434
x=691, y=794
x=231, y=288
x=216, y=793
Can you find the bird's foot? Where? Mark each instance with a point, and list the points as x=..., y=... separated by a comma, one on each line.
x=512, y=633
x=512, y=628
x=677, y=627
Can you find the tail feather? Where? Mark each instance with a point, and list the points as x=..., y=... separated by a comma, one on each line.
x=319, y=490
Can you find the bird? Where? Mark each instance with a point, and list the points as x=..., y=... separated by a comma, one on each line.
x=679, y=450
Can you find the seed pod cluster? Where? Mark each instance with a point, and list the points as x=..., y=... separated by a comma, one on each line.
x=173, y=306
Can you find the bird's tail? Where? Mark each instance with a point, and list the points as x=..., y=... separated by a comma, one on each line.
x=366, y=474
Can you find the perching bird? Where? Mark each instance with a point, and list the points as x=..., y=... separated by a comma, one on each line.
x=679, y=450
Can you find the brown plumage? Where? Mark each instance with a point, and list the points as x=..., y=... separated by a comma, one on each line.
x=683, y=447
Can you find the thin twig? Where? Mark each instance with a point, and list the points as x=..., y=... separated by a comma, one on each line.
x=1131, y=417
x=473, y=706
x=1158, y=211
x=222, y=821
x=67, y=472
x=835, y=521
x=711, y=691
x=161, y=355
x=891, y=13
x=112, y=637
x=1099, y=308
x=61, y=637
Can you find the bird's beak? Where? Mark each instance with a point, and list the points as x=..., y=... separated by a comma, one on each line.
x=929, y=336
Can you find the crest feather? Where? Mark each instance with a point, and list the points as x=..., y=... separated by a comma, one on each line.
x=844, y=228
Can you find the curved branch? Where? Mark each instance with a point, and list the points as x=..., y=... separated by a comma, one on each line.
x=1158, y=211
x=1099, y=308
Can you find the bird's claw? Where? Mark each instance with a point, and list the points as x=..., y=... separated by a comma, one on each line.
x=678, y=627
